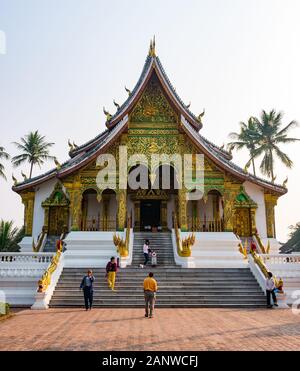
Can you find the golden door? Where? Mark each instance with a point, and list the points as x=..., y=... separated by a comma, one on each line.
x=243, y=222
x=58, y=219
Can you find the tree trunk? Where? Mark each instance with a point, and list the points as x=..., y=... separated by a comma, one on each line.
x=272, y=166
x=31, y=167
x=253, y=166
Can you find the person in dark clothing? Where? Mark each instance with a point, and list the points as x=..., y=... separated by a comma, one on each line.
x=111, y=271
x=87, y=287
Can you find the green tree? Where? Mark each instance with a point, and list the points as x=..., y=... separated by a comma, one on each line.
x=35, y=150
x=5, y=156
x=10, y=236
x=246, y=138
x=270, y=135
x=293, y=243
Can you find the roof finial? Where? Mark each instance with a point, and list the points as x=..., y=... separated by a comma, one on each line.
x=152, y=48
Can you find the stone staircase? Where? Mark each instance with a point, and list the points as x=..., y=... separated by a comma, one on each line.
x=178, y=287
x=50, y=245
x=160, y=242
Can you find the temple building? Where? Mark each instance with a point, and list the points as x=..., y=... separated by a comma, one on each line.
x=153, y=120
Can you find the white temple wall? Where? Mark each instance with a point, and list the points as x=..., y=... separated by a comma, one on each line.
x=42, y=191
x=257, y=195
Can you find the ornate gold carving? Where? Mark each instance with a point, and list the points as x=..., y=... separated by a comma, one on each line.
x=270, y=203
x=121, y=199
x=184, y=247
x=121, y=244
x=45, y=281
x=57, y=197
x=153, y=106
x=182, y=209
x=28, y=201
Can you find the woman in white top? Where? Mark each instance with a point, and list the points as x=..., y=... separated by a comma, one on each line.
x=270, y=290
x=146, y=250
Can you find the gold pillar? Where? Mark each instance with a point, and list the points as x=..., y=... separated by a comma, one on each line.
x=270, y=203
x=182, y=208
x=164, y=215
x=231, y=191
x=28, y=201
x=253, y=220
x=137, y=215
x=75, y=193
x=75, y=209
x=121, y=217
x=46, y=217
x=105, y=200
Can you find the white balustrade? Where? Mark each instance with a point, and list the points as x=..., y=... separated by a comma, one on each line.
x=281, y=258
x=24, y=258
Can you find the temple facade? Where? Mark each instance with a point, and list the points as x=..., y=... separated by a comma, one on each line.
x=152, y=121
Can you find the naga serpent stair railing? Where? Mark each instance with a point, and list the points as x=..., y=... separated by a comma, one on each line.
x=121, y=244
x=45, y=281
x=36, y=247
x=258, y=260
x=184, y=246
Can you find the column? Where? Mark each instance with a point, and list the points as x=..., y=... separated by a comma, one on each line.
x=253, y=220
x=75, y=209
x=270, y=203
x=182, y=206
x=231, y=191
x=121, y=216
x=46, y=217
x=137, y=215
x=28, y=201
x=164, y=215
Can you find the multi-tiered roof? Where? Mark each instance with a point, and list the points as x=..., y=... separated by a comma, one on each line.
x=117, y=124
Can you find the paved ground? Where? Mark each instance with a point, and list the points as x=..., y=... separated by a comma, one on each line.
x=171, y=329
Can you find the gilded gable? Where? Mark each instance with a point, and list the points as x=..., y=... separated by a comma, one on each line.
x=153, y=106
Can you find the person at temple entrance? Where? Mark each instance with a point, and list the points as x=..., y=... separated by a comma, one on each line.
x=87, y=287
x=146, y=251
x=111, y=271
x=150, y=289
x=270, y=289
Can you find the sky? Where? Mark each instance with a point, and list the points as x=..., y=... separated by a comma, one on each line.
x=66, y=59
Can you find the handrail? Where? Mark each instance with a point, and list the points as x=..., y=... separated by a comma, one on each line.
x=121, y=244
x=40, y=242
x=243, y=249
x=260, y=244
x=184, y=246
x=263, y=268
x=45, y=281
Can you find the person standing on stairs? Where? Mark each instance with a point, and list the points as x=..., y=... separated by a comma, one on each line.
x=111, y=271
x=146, y=251
x=270, y=289
x=87, y=287
x=150, y=289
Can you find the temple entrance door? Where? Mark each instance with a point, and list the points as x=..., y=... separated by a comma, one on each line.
x=58, y=220
x=243, y=222
x=150, y=213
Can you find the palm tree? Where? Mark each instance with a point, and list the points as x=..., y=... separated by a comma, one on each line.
x=246, y=138
x=5, y=156
x=34, y=150
x=10, y=236
x=270, y=135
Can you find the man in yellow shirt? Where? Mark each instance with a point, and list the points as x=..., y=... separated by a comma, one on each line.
x=150, y=288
